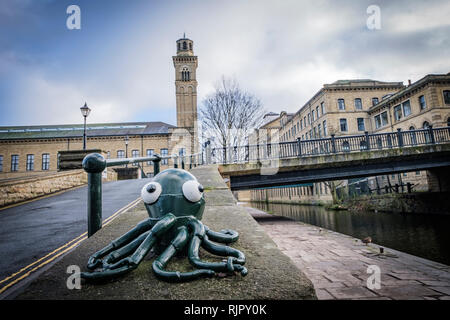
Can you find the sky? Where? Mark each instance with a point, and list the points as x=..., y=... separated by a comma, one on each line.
x=120, y=60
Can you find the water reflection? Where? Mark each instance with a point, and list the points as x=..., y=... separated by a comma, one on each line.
x=426, y=236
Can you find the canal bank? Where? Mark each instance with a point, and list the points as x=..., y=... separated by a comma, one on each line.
x=338, y=264
x=421, y=235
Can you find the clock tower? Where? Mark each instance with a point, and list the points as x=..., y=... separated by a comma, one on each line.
x=185, y=63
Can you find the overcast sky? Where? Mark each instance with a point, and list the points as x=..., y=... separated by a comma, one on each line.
x=120, y=61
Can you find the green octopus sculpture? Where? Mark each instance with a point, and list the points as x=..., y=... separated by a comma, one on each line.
x=175, y=203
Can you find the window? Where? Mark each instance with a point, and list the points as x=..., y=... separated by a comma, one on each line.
x=108, y=155
x=343, y=124
x=322, y=106
x=184, y=45
x=120, y=154
x=318, y=112
x=422, y=103
x=361, y=126
x=30, y=162
x=164, y=152
x=309, y=118
x=149, y=153
x=135, y=154
x=185, y=74
x=358, y=104
x=406, y=108
x=341, y=104
x=315, y=133
x=15, y=162
x=319, y=129
x=446, y=96
x=448, y=122
x=301, y=124
x=381, y=120
x=45, y=161
x=374, y=101
x=325, y=133
x=1, y=163
x=397, y=113
x=426, y=125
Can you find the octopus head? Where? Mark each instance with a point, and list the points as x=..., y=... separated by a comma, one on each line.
x=174, y=191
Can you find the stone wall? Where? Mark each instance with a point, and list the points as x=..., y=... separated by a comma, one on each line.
x=18, y=190
x=420, y=202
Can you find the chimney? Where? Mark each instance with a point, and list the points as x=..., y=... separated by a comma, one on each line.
x=409, y=82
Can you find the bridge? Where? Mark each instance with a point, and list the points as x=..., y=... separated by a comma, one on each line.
x=336, y=158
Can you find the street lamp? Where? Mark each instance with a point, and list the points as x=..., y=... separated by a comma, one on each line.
x=85, y=112
x=126, y=149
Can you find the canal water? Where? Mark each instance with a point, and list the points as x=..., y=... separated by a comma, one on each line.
x=426, y=236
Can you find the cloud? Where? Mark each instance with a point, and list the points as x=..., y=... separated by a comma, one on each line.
x=283, y=52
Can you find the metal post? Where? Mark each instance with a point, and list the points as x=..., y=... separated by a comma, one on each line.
x=182, y=162
x=333, y=143
x=400, y=137
x=299, y=146
x=430, y=128
x=94, y=164
x=84, y=134
x=175, y=162
x=367, y=140
x=156, y=162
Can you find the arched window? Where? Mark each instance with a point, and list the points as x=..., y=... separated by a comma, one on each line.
x=426, y=125
x=185, y=74
x=179, y=46
x=190, y=45
x=184, y=45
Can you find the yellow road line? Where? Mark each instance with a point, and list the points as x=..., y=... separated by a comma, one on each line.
x=82, y=236
x=41, y=265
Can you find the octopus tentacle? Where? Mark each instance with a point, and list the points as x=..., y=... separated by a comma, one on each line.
x=221, y=250
x=95, y=261
x=224, y=236
x=197, y=238
x=177, y=244
x=130, y=263
x=124, y=251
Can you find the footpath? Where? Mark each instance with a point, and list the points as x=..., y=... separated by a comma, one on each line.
x=271, y=274
x=338, y=265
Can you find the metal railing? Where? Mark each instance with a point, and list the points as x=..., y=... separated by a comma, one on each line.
x=94, y=164
x=328, y=146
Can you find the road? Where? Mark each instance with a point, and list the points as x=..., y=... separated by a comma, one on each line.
x=30, y=232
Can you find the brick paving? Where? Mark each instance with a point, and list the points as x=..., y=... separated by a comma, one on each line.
x=337, y=264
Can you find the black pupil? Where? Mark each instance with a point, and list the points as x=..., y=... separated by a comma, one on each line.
x=151, y=188
x=200, y=188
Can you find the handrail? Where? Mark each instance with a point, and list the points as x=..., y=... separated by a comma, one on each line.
x=94, y=164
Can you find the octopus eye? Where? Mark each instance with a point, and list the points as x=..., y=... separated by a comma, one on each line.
x=192, y=190
x=151, y=192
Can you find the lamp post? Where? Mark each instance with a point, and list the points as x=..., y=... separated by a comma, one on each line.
x=85, y=112
x=126, y=149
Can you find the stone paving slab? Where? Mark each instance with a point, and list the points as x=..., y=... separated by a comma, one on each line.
x=337, y=264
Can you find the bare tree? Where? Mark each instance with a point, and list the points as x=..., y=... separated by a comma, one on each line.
x=229, y=114
x=333, y=185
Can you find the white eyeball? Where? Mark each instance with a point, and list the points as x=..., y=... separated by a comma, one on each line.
x=192, y=190
x=151, y=192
